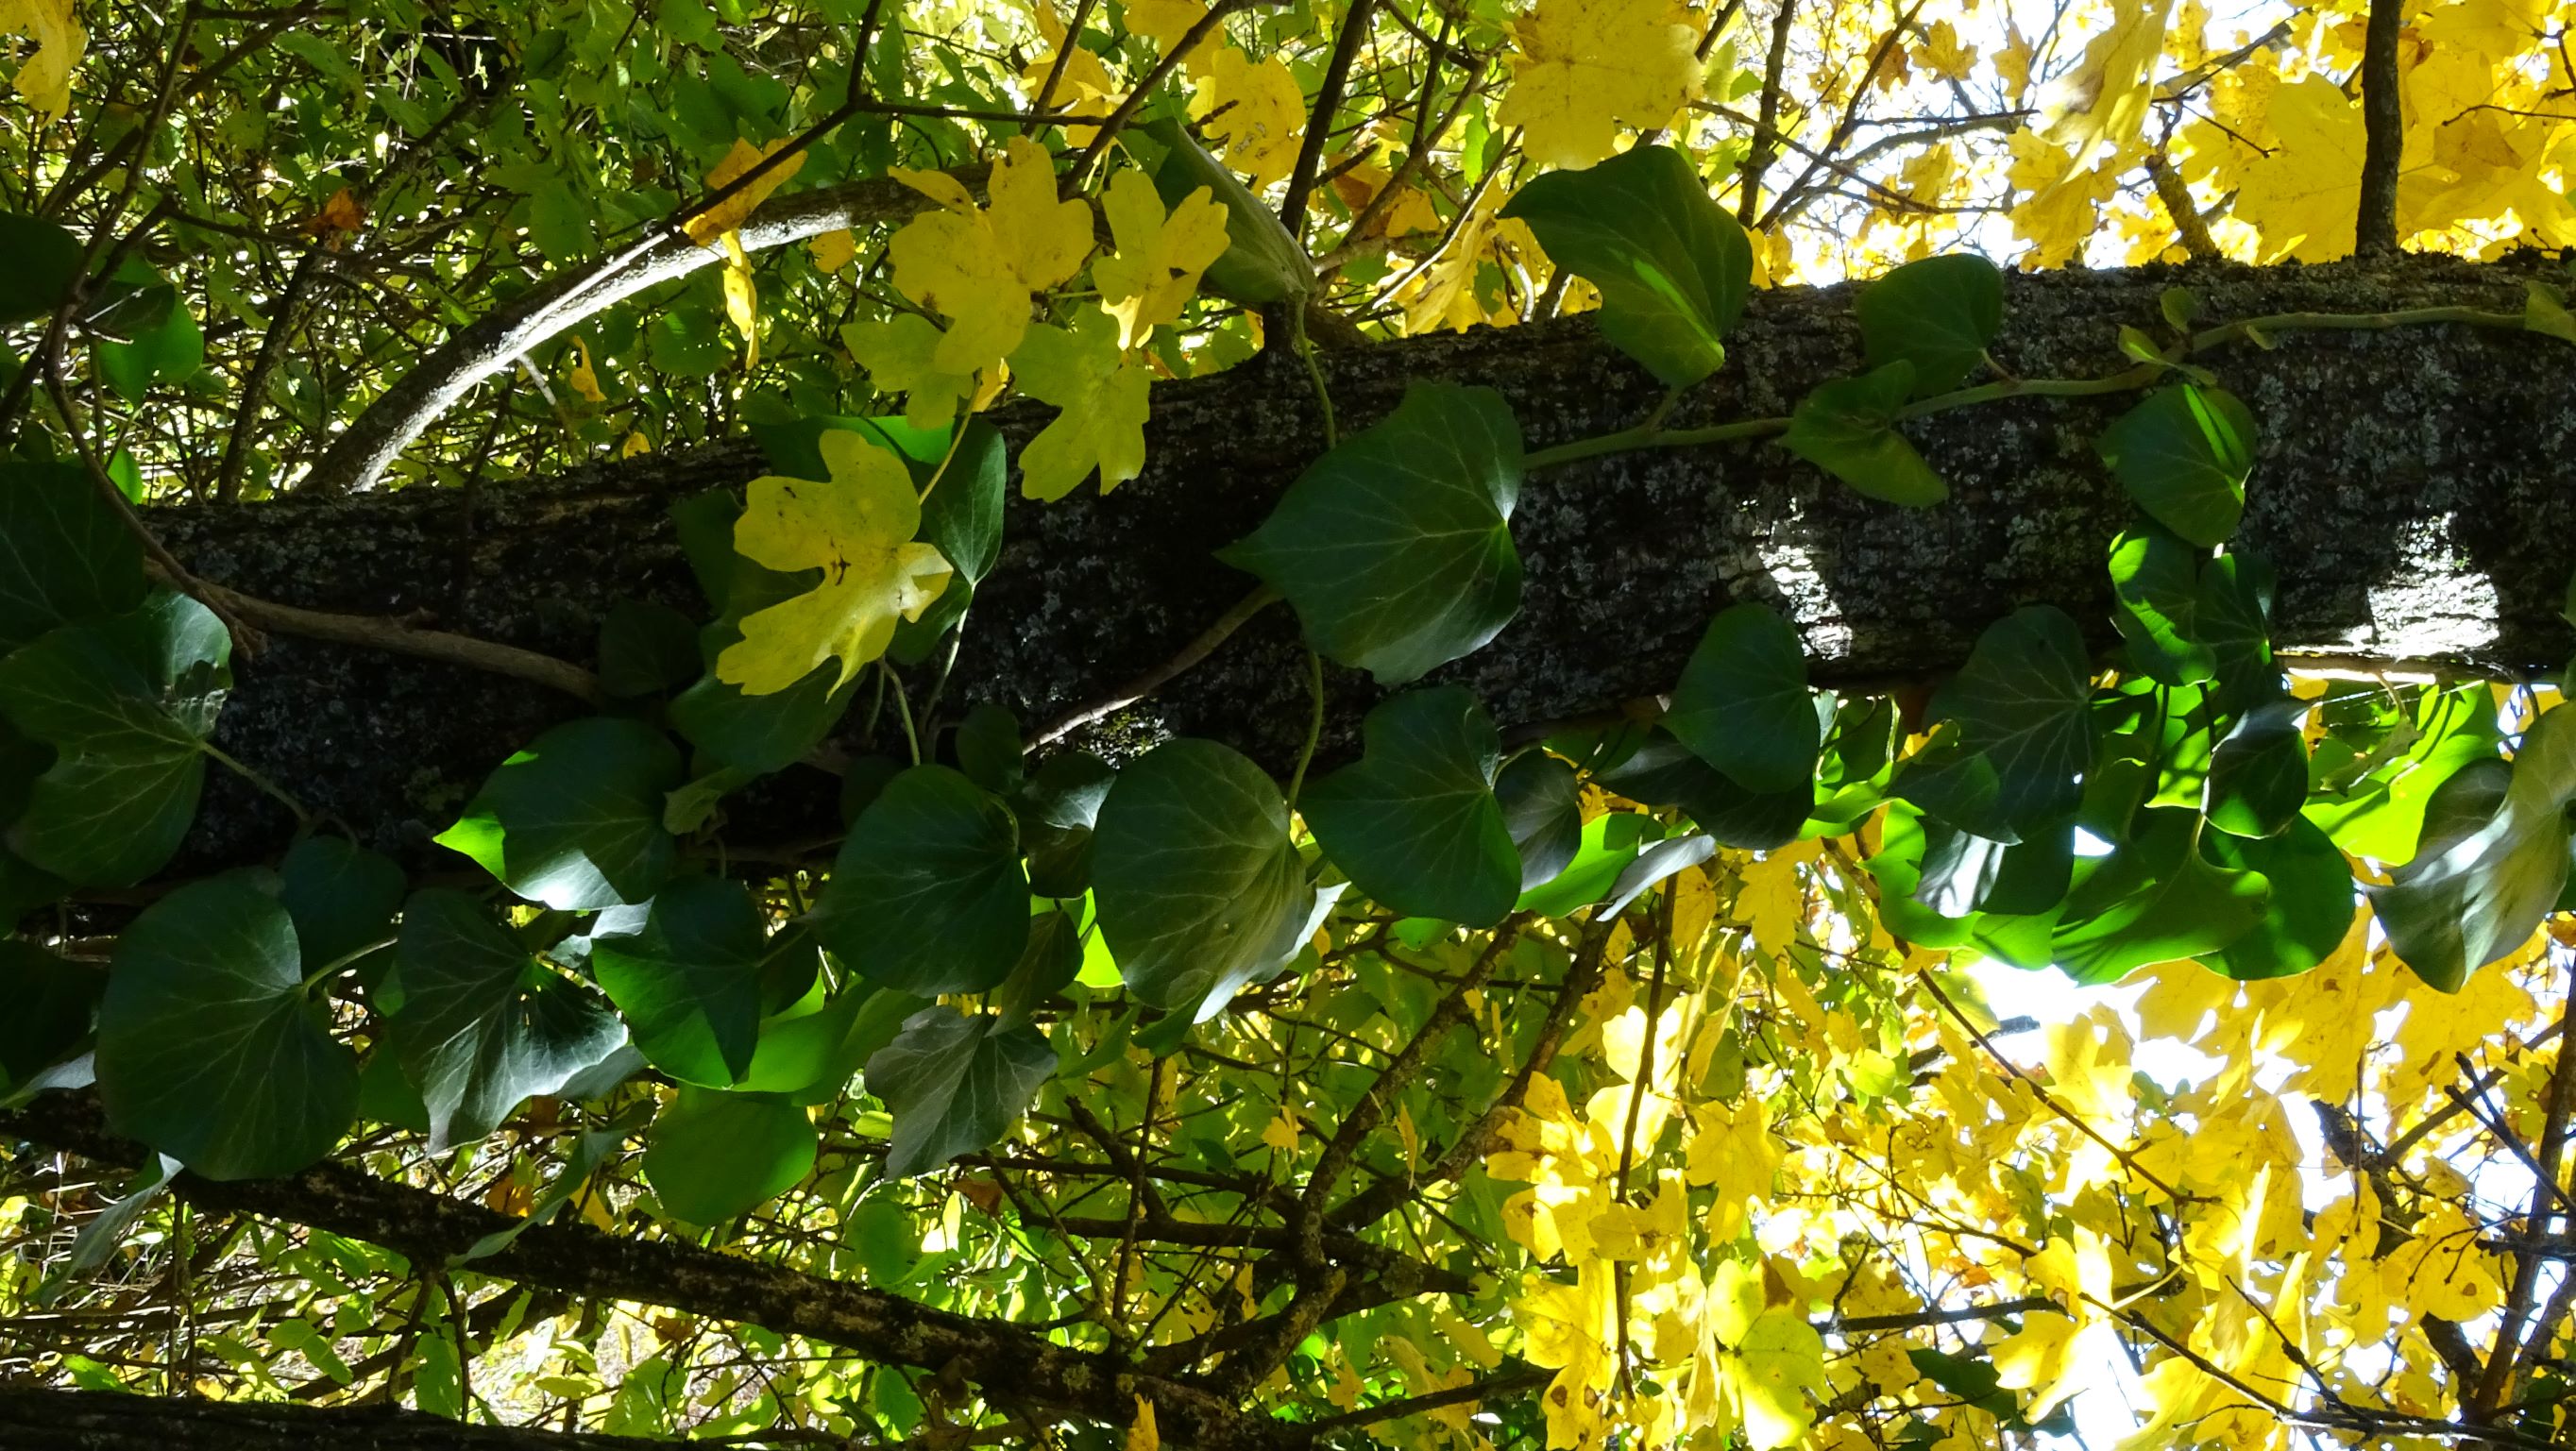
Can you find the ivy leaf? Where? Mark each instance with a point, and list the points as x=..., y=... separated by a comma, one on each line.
x=1848, y=428
x=2153, y=899
x=2258, y=773
x=341, y=896
x=575, y=820
x=712, y=1155
x=1160, y=255
x=209, y=1047
x=1396, y=547
x=954, y=1085
x=2023, y=731
x=170, y=350
x=2155, y=575
x=1056, y=811
x=811, y=1057
x=2235, y=613
x=687, y=979
x=1664, y=772
x=928, y=895
x=1542, y=801
x=2492, y=864
x=39, y=260
x=2183, y=453
x=858, y=529
x=1101, y=400
x=1672, y=267
x=483, y=1026
x=126, y=703
x=961, y=518
x=51, y=1005
x=1198, y=883
x=1938, y=313
x=65, y=557
x=1743, y=705
x=2311, y=905
x=1414, y=822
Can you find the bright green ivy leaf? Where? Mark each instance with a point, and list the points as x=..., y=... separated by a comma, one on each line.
x=2153, y=899
x=575, y=819
x=2492, y=864
x=2155, y=575
x=712, y=1155
x=2183, y=453
x=1672, y=267
x=2311, y=905
x=1848, y=428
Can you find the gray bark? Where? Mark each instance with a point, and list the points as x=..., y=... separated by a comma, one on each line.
x=38, y=1419
x=2414, y=488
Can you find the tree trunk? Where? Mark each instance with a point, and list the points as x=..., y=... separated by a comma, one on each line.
x=2413, y=488
x=37, y=1419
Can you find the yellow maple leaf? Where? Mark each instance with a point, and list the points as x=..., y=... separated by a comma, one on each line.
x=635, y=443
x=1255, y=111
x=1164, y=22
x=1102, y=426
x=898, y=353
x=1775, y=1358
x=45, y=78
x=1944, y=54
x=584, y=379
x=2101, y=105
x=1141, y=1432
x=1159, y=257
x=733, y=211
x=1281, y=1132
x=833, y=250
x=979, y=265
x=2304, y=196
x=742, y=299
x=2041, y=1359
x=857, y=528
x=2494, y=28
x=1584, y=68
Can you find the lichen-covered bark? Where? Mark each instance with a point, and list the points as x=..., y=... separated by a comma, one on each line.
x=35, y=1418
x=2414, y=489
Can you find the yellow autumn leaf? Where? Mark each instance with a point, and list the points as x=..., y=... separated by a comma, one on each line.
x=980, y=265
x=1141, y=1432
x=857, y=528
x=732, y=212
x=2304, y=196
x=635, y=443
x=2041, y=1359
x=2101, y=105
x=1774, y=1359
x=1255, y=112
x=581, y=377
x=1164, y=22
x=1102, y=426
x=742, y=299
x=45, y=78
x=898, y=353
x=1582, y=69
x=1281, y=1132
x=1159, y=256
x=833, y=250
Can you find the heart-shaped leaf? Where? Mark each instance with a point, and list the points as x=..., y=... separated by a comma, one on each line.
x=2183, y=454
x=2493, y=862
x=928, y=895
x=575, y=819
x=1848, y=428
x=1938, y=313
x=1743, y=705
x=1414, y=822
x=687, y=979
x=2023, y=732
x=712, y=1155
x=954, y=1084
x=64, y=555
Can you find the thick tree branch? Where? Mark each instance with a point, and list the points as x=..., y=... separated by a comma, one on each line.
x=38, y=1419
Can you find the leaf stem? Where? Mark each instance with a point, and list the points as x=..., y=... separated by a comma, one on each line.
x=1314, y=373
x=903, y=710
x=341, y=963
x=1314, y=723
x=303, y=817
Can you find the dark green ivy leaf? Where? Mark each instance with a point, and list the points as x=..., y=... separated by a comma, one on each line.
x=1672, y=267
x=1938, y=313
x=2236, y=623
x=2311, y=907
x=1743, y=706
x=39, y=261
x=1662, y=771
x=575, y=819
x=928, y=895
x=2183, y=454
x=209, y=1047
x=2024, y=735
x=1198, y=883
x=712, y=1155
x=51, y=1002
x=687, y=979
x=1414, y=822
x=483, y=1026
x=1848, y=428
x=1056, y=809
x=1396, y=547
x=65, y=557
x=954, y=1084
x=1542, y=801
x=126, y=703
